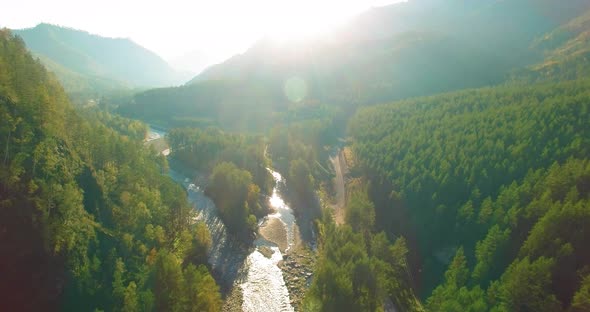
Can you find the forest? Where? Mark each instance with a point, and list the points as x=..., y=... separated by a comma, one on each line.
x=420, y=47
x=487, y=188
x=500, y=175
x=359, y=269
x=238, y=173
x=89, y=221
x=466, y=169
x=237, y=162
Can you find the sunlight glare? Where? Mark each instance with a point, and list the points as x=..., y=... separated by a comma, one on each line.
x=295, y=89
x=304, y=19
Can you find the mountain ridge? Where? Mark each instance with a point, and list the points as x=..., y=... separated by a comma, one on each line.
x=92, y=56
x=349, y=70
x=488, y=21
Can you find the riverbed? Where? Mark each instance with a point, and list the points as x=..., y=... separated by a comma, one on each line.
x=255, y=271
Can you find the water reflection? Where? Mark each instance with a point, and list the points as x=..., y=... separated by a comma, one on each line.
x=264, y=288
x=259, y=277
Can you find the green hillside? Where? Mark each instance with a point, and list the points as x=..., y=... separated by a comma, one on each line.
x=566, y=50
x=404, y=50
x=488, y=187
x=88, y=220
x=434, y=155
x=491, y=172
x=89, y=63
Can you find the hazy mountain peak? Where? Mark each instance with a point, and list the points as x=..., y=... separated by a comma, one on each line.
x=90, y=55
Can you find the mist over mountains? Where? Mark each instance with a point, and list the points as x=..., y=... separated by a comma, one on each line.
x=85, y=62
x=394, y=52
x=433, y=155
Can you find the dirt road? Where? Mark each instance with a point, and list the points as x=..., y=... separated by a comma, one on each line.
x=339, y=165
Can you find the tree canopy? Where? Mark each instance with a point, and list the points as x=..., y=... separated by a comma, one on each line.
x=92, y=222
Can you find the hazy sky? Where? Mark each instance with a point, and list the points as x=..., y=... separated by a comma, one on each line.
x=173, y=28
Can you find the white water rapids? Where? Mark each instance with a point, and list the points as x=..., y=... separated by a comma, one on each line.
x=264, y=288
x=259, y=277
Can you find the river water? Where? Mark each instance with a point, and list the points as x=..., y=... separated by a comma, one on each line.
x=264, y=288
x=154, y=134
x=259, y=278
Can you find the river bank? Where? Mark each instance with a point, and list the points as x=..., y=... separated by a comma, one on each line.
x=234, y=300
x=297, y=267
x=274, y=272
x=298, y=258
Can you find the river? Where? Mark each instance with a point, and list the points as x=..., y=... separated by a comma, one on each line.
x=257, y=276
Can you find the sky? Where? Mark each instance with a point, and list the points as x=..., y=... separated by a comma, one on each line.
x=185, y=32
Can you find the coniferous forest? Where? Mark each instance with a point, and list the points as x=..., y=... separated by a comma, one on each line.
x=88, y=220
x=426, y=156
x=500, y=176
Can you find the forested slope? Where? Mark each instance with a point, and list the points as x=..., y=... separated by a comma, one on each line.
x=87, y=219
x=566, y=52
x=409, y=49
x=94, y=56
x=232, y=105
x=239, y=180
x=497, y=175
x=91, y=67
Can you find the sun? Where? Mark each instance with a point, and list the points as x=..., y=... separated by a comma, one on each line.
x=300, y=19
x=294, y=20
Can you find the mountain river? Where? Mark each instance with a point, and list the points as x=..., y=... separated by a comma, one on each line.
x=258, y=276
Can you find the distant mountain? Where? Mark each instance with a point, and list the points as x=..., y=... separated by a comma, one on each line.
x=421, y=47
x=566, y=50
x=57, y=214
x=85, y=62
x=411, y=48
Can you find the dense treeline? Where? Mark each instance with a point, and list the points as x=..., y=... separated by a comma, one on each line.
x=203, y=149
x=89, y=221
x=299, y=148
x=134, y=129
x=458, y=171
x=236, y=197
x=534, y=256
x=357, y=268
x=231, y=105
x=238, y=170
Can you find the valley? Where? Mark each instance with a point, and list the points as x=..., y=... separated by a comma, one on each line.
x=424, y=155
x=254, y=272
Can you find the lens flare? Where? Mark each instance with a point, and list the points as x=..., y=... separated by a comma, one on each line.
x=295, y=89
